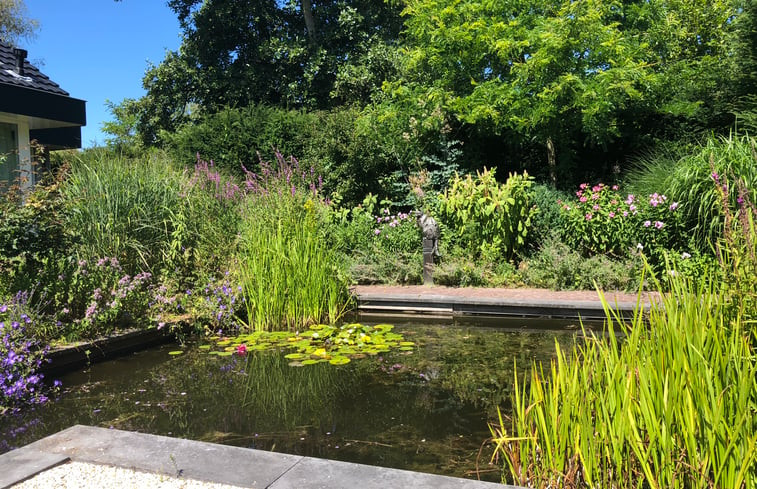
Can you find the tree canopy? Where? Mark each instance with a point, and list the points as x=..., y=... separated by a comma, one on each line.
x=560, y=85
x=575, y=73
x=296, y=54
x=14, y=23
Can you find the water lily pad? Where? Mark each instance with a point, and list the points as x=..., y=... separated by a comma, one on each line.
x=295, y=356
x=204, y=347
x=175, y=352
x=339, y=360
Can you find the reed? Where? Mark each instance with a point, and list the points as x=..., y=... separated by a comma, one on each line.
x=290, y=277
x=666, y=404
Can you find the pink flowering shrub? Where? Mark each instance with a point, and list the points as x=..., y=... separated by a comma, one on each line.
x=604, y=221
x=396, y=232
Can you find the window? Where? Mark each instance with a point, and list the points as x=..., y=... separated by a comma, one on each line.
x=9, y=171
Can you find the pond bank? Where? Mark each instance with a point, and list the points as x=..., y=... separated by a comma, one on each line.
x=461, y=301
x=208, y=462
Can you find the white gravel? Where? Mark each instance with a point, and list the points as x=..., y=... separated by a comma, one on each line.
x=85, y=475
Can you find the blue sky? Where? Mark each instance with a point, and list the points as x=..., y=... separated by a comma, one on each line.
x=98, y=50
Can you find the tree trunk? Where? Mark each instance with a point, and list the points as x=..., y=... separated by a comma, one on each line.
x=552, y=161
x=307, y=12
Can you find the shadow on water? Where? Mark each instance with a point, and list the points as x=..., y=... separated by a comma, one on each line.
x=426, y=410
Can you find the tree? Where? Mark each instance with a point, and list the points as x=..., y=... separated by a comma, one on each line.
x=14, y=23
x=568, y=74
x=286, y=54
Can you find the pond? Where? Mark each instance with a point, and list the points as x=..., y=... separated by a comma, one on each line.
x=425, y=410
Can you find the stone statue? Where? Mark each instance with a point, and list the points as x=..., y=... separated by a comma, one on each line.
x=431, y=232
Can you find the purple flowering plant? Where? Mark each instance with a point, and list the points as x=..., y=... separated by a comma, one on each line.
x=101, y=296
x=21, y=357
x=395, y=232
x=210, y=308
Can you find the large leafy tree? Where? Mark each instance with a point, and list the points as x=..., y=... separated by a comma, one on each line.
x=567, y=74
x=14, y=22
x=296, y=54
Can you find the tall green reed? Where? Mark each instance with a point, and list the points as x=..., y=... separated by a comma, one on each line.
x=671, y=403
x=290, y=277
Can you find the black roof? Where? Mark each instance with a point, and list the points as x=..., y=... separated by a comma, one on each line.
x=32, y=77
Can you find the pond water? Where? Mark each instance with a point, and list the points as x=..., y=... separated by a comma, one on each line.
x=425, y=410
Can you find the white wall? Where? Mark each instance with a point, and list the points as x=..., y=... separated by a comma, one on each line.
x=24, y=149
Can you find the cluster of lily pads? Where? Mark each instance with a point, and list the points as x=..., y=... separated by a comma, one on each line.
x=320, y=343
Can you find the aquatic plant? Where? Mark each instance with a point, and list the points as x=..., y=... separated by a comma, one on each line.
x=290, y=278
x=671, y=403
x=320, y=343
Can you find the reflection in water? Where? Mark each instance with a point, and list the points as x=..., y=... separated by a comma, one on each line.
x=423, y=411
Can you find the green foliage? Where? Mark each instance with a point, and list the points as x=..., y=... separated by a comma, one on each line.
x=123, y=129
x=690, y=179
x=247, y=52
x=603, y=221
x=34, y=237
x=289, y=276
x=236, y=137
x=548, y=221
x=672, y=404
x=557, y=266
x=491, y=218
x=14, y=23
x=127, y=209
x=573, y=77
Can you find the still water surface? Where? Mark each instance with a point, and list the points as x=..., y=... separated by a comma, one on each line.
x=425, y=410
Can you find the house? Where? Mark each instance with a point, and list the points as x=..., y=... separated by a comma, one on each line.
x=33, y=108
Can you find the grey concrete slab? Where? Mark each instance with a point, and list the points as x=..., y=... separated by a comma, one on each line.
x=489, y=306
x=23, y=463
x=210, y=462
x=170, y=456
x=313, y=473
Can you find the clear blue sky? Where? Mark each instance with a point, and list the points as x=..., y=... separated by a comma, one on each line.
x=98, y=50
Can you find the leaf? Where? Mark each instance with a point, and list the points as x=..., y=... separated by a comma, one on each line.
x=175, y=352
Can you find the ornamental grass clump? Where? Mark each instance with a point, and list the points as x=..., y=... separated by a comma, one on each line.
x=688, y=178
x=130, y=209
x=670, y=402
x=290, y=278
x=21, y=384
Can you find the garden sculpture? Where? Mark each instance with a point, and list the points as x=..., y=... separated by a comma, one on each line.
x=431, y=234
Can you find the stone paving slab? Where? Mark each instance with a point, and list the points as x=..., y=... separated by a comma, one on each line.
x=170, y=456
x=457, y=301
x=322, y=474
x=26, y=462
x=212, y=463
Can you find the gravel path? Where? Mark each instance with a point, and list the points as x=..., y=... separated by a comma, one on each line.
x=85, y=476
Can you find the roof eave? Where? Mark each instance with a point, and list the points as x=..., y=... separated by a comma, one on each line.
x=36, y=103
